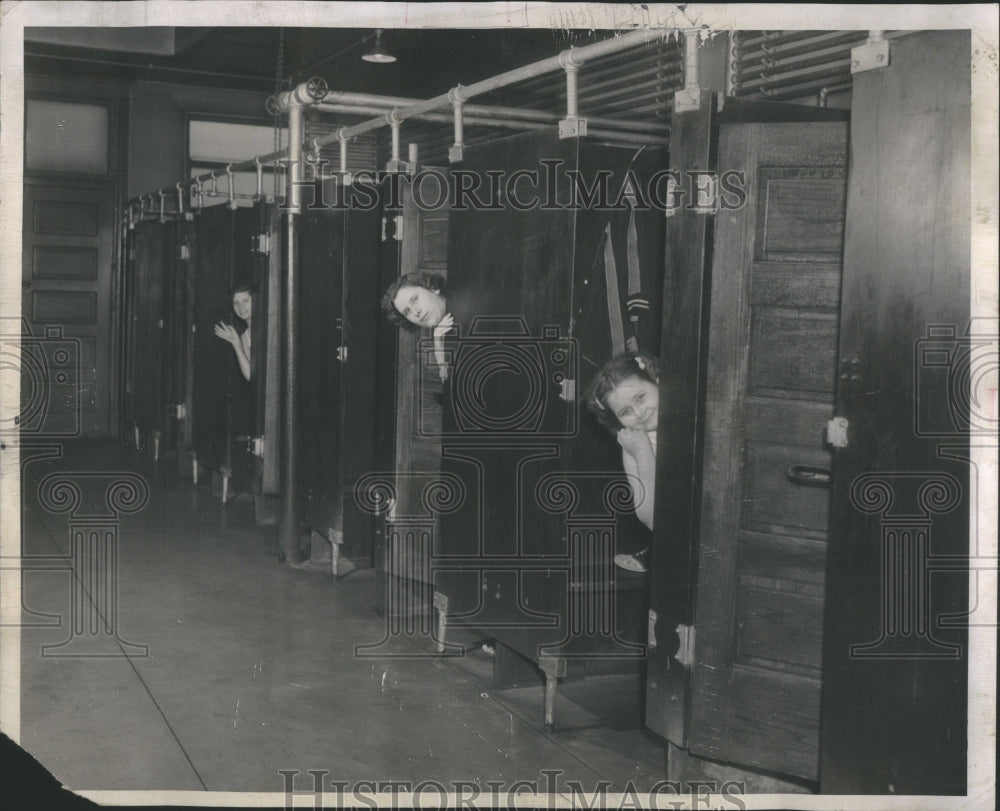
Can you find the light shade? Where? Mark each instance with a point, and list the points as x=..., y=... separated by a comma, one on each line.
x=377, y=53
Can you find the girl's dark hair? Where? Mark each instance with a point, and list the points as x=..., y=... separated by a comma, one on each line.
x=242, y=288
x=434, y=282
x=616, y=370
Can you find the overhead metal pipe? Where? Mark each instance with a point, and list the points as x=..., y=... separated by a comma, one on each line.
x=289, y=530
x=801, y=90
x=466, y=92
x=315, y=89
x=471, y=115
x=802, y=43
x=835, y=68
x=826, y=90
x=800, y=60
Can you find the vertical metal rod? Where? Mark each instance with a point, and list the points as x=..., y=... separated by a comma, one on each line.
x=459, y=123
x=163, y=217
x=394, y=124
x=343, y=155
x=691, y=61
x=180, y=198
x=289, y=531
x=232, y=186
x=572, y=73
x=260, y=178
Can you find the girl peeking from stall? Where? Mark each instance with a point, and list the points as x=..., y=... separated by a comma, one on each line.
x=242, y=300
x=625, y=398
x=419, y=300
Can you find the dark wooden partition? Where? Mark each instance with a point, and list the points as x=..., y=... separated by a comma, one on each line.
x=896, y=658
x=151, y=244
x=340, y=327
x=418, y=242
x=224, y=404
x=525, y=551
x=176, y=335
x=751, y=309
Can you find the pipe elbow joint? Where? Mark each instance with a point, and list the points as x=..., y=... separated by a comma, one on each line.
x=568, y=61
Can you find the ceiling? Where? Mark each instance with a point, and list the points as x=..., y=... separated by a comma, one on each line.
x=429, y=61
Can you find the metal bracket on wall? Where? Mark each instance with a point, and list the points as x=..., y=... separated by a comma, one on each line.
x=573, y=127
x=873, y=54
x=262, y=243
x=836, y=432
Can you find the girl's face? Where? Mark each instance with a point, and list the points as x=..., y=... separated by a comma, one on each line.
x=636, y=403
x=243, y=305
x=420, y=306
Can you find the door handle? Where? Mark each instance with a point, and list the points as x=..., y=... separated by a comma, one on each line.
x=807, y=476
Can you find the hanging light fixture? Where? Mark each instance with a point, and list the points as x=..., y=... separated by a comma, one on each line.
x=377, y=53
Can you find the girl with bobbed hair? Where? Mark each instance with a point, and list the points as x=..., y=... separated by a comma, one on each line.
x=241, y=297
x=419, y=301
x=625, y=398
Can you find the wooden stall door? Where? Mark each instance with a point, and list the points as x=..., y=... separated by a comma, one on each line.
x=66, y=279
x=321, y=237
x=913, y=390
x=765, y=502
x=248, y=407
x=423, y=247
x=148, y=268
x=176, y=335
x=362, y=365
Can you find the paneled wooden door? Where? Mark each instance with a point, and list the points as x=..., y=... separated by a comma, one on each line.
x=765, y=489
x=66, y=283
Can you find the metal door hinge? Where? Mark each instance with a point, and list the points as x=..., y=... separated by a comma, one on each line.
x=184, y=252
x=180, y=411
x=262, y=243
x=342, y=353
x=685, y=653
x=255, y=446
x=397, y=228
x=836, y=432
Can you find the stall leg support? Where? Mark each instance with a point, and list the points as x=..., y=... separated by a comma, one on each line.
x=336, y=539
x=554, y=668
x=226, y=473
x=551, y=683
x=441, y=605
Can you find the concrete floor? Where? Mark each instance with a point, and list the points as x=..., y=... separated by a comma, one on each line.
x=251, y=667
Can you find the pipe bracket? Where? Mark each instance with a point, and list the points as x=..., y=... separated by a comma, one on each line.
x=873, y=54
x=232, y=188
